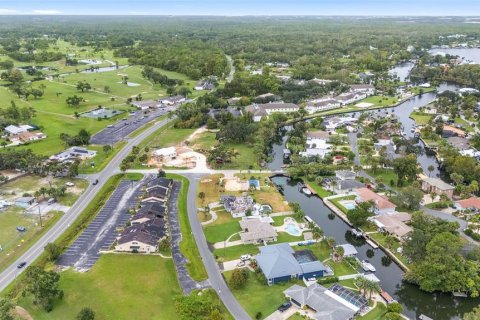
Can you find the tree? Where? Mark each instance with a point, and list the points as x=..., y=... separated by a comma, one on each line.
x=472, y=315
x=6, y=307
x=161, y=173
x=317, y=234
x=43, y=285
x=405, y=168
x=107, y=148
x=201, y=196
x=371, y=287
x=74, y=101
x=83, y=86
x=86, y=314
x=410, y=197
x=430, y=169
x=53, y=251
x=239, y=278
x=358, y=216
x=339, y=252
x=331, y=242
x=395, y=307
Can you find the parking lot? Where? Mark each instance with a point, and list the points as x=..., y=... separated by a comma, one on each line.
x=120, y=130
x=101, y=232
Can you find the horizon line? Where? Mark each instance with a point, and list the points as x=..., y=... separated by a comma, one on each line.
x=233, y=15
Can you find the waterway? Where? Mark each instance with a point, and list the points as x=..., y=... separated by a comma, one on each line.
x=469, y=55
x=402, y=70
x=415, y=301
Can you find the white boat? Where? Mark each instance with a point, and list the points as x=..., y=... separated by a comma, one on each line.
x=367, y=266
x=306, y=191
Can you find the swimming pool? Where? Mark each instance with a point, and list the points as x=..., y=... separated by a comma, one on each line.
x=293, y=229
x=348, y=204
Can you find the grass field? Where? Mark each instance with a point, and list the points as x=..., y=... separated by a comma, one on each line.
x=385, y=176
x=379, y=101
x=15, y=243
x=420, y=117
x=220, y=232
x=376, y=314
x=117, y=287
x=188, y=247
x=245, y=160
x=232, y=253
x=101, y=159
x=259, y=297
x=321, y=192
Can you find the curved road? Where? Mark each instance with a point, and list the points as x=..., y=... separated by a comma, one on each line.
x=10, y=273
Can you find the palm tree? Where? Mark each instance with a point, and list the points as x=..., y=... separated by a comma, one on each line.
x=372, y=287
x=317, y=234
x=331, y=242
x=361, y=283
x=43, y=191
x=339, y=252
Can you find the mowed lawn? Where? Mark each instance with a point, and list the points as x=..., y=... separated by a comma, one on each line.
x=117, y=287
x=259, y=297
x=379, y=101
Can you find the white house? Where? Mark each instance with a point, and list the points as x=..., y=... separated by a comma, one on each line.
x=13, y=130
x=165, y=153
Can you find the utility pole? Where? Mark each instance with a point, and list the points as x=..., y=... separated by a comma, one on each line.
x=39, y=216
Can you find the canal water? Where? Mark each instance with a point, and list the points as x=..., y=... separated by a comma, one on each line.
x=402, y=70
x=415, y=301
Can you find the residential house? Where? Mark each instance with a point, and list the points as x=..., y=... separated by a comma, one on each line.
x=279, y=262
x=341, y=186
x=345, y=175
x=438, y=186
x=234, y=101
x=337, y=122
x=256, y=231
x=214, y=113
x=165, y=154
x=472, y=203
x=317, y=137
x=257, y=112
x=156, y=194
x=237, y=206
x=394, y=224
x=160, y=181
x=24, y=202
x=26, y=137
x=336, y=303
x=204, y=85
x=73, y=154
x=381, y=205
x=317, y=106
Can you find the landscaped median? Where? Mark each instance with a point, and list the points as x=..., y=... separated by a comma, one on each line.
x=188, y=246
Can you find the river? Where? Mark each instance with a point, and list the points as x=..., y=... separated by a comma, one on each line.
x=415, y=302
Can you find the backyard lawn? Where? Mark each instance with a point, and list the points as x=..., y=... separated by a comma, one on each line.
x=379, y=101
x=232, y=253
x=321, y=192
x=117, y=287
x=376, y=314
x=384, y=176
x=259, y=297
x=217, y=232
x=420, y=118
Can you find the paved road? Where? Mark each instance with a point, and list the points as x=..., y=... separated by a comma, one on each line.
x=216, y=280
x=9, y=274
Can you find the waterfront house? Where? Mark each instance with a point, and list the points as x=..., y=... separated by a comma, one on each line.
x=237, y=206
x=381, y=205
x=279, y=262
x=438, y=186
x=450, y=131
x=257, y=231
x=394, y=224
x=348, y=250
x=345, y=175
x=336, y=303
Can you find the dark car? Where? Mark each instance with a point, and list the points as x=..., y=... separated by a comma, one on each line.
x=95, y=182
x=285, y=306
x=21, y=229
x=21, y=265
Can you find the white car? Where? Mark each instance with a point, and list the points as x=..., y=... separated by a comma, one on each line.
x=69, y=184
x=245, y=257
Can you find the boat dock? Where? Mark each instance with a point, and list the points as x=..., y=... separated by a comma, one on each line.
x=371, y=243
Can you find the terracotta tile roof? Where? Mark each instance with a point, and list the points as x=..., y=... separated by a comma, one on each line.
x=366, y=194
x=472, y=202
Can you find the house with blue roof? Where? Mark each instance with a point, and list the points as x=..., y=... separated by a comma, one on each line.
x=279, y=262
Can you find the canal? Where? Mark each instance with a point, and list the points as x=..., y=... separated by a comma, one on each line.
x=416, y=302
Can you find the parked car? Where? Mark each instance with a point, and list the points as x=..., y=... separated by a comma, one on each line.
x=51, y=201
x=245, y=257
x=95, y=182
x=285, y=306
x=21, y=229
x=21, y=265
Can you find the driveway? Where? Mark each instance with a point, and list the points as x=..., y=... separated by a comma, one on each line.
x=186, y=282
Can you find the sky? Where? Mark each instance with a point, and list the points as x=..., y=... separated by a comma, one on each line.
x=243, y=7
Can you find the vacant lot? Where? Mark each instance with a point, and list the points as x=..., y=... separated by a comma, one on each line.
x=117, y=287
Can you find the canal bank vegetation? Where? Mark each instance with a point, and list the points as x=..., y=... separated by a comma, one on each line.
x=435, y=250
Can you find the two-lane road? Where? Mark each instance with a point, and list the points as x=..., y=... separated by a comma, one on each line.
x=10, y=273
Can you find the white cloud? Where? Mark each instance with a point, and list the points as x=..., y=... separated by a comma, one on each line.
x=42, y=11
x=6, y=11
